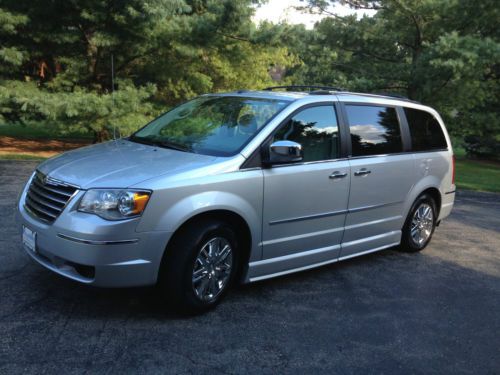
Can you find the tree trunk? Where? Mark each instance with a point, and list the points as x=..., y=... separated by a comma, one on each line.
x=101, y=135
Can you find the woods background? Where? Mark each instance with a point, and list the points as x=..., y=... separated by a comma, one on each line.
x=56, y=56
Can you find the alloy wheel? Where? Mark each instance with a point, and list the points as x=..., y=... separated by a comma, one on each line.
x=422, y=224
x=212, y=269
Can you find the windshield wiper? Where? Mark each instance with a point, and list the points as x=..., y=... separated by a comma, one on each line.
x=173, y=146
x=164, y=144
x=144, y=141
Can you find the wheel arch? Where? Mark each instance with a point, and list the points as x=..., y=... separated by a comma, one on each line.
x=420, y=189
x=233, y=219
x=435, y=195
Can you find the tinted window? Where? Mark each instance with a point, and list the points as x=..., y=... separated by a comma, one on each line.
x=374, y=130
x=316, y=130
x=426, y=133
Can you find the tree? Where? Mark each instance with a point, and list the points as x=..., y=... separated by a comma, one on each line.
x=442, y=53
x=164, y=51
x=55, y=58
x=63, y=76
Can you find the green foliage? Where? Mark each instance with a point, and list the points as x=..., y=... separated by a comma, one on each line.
x=39, y=131
x=56, y=56
x=9, y=55
x=24, y=102
x=443, y=53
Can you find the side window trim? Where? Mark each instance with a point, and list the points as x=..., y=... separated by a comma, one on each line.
x=405, y=129
x=345, y=135
x=402, y=130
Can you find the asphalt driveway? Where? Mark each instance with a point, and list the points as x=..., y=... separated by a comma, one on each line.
x=433, y=312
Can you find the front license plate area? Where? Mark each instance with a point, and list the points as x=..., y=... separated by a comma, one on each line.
x=29, y=239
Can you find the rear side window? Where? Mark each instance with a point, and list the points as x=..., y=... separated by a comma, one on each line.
x=374, y=130
x=316, y=129
x=425, y=130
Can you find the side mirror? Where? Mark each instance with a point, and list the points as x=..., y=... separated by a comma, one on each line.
x=281, y=152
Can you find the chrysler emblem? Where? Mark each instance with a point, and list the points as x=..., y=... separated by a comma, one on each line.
x=44, y=179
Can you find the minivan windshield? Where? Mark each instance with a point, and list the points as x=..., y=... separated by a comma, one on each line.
x=212, y=125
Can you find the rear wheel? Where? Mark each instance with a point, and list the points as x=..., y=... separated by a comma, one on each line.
x=420, y=224
x=200, y=265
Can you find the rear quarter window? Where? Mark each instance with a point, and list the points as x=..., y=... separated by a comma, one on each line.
x=374, y=130
x=425, y=131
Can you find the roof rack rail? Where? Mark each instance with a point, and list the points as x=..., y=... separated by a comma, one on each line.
x=381, y=95
x=398, y=96
x=303, y=88
x=392, y=95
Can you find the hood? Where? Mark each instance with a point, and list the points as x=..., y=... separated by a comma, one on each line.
x=120, y=164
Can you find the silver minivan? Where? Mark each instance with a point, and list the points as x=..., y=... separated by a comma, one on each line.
x=241, y=187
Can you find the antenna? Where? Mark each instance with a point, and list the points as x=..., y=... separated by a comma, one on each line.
x=113, y=91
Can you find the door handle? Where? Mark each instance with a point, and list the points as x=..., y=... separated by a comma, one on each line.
x=362, y=172
x=338, y=174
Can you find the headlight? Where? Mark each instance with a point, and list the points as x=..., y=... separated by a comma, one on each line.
x=114, y=204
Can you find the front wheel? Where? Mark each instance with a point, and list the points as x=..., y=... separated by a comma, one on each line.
x=200, y=265
x=419, y=225
x=212, y=269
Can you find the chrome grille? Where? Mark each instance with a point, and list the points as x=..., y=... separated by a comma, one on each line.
x=47, y=197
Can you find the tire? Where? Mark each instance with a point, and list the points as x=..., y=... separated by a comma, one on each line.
x=423, y=207
x=192, y=254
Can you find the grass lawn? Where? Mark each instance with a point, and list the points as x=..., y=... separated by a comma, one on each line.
x=477, y=175
x=10, y=156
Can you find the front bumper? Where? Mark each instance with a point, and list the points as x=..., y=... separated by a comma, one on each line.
x=91, y=250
